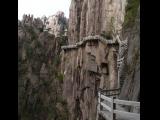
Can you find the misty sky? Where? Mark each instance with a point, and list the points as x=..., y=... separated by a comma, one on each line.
x=42, y=7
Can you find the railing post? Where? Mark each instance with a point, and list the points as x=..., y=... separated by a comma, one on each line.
x=113, y=107
x=99, y=104
x=98, y=108
x=100, y=100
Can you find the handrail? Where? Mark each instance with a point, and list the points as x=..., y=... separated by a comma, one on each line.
x=127, y=114
x=89, y=38
x=110, y=92
x=112, y=109
x=106, y=107
x=102, y=90
x=105, y=98
x=125, y=102
x=121, y=59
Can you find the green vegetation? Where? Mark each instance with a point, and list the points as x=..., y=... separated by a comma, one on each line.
x=30, y=30
x=107, y=35
x=60, y=78
x=56, y=60
x=63, y=40
x=39, y=96
x=131, y=12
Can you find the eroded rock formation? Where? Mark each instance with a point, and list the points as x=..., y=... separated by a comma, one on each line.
x=88, y=61
x=89, y=17
x=90, y=65
x=86, y=68
x=57, y=24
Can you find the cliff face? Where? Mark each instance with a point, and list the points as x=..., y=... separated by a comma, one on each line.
x=93, y=64
x=90, y=65
x=131, y=69
x=86, y=68
x=88, y=62
x=57, y=24
x=94, y=17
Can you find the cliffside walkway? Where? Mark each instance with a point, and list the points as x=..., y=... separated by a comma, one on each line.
x=90, y=38
x=111, y=108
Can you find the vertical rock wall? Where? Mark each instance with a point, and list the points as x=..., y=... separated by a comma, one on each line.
x=85, y=69
x=94, y=64
x=94, y=16
x=131, y=86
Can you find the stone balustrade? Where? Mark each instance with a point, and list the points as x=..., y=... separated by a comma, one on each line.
x=89, y=38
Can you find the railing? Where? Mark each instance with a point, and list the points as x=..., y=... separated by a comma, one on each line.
x=112, y=92
x=120, y=61
x=108, y=108
x=89, y=38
